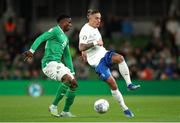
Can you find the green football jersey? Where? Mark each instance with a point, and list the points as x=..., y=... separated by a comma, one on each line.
x=56, y=48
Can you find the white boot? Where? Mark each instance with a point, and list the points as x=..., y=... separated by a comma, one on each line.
x=53, y=110
x=66, y=114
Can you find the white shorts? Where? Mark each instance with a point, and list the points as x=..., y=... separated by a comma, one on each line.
x=56, y=71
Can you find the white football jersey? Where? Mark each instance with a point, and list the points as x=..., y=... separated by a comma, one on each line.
x=87, y=35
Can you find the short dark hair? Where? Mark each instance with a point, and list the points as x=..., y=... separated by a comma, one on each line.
x=62, y=16
x=91, y=12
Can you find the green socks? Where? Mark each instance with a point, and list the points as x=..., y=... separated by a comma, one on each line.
x=60, y=93
x=69, y=100
x=62, y=90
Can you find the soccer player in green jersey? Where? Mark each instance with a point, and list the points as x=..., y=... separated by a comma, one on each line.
x=56, y=48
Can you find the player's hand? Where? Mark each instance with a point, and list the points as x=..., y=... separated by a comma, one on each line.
x=100, y=43
x=27, y=55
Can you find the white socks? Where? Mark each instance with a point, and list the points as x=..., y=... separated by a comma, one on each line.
x=124, y=70
x=118, y=96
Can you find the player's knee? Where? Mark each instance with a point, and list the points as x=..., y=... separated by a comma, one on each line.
x=118, y=58
x=113, y=87
x=71, y=83
x=112, y=83
x=66, y=79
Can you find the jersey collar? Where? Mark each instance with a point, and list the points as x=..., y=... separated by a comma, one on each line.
x=60, y=28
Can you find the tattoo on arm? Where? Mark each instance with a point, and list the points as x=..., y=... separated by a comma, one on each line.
x=83, y=47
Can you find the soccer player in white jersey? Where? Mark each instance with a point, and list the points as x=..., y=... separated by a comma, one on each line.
x=91, y=46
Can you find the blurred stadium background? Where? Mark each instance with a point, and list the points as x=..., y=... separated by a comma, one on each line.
x=146, y=32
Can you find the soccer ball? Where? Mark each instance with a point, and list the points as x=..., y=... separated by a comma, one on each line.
x=101, y=106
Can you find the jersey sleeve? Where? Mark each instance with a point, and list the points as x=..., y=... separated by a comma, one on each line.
x=43, y=37
x=83, y=37
x=86, y=37
x=68, y=59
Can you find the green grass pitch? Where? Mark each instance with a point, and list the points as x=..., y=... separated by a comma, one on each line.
x=145, y=108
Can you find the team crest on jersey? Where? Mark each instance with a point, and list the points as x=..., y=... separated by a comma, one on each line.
x=84, y=37
x=64, y=43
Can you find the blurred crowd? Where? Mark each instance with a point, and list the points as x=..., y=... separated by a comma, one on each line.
x=158, y=59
